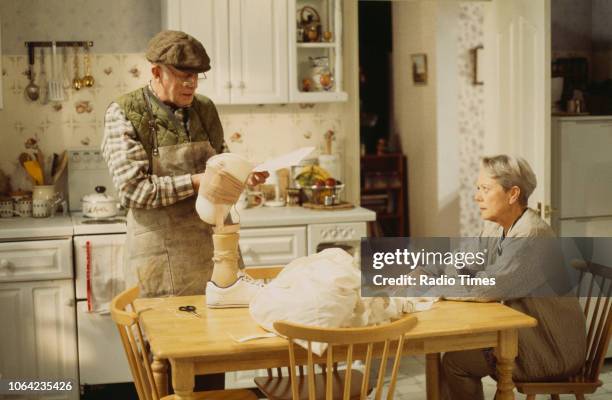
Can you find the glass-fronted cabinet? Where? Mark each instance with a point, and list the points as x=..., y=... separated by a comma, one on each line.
x=315, y=51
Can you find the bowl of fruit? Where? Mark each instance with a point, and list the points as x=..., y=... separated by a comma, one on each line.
x=324, y=192
x=319, y=186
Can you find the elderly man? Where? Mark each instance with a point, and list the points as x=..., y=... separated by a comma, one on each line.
x=157, y=140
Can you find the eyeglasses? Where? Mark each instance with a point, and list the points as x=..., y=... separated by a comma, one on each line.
x=187, y=79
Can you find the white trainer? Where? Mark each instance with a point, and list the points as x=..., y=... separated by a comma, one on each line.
x=238, y=294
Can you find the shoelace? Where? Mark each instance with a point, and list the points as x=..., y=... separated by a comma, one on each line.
x=251, y=281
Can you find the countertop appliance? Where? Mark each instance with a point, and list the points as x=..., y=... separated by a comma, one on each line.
x=98, y=243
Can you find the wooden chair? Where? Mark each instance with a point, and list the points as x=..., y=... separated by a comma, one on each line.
x=139, y=358
x=332, y=383
x=598, y=308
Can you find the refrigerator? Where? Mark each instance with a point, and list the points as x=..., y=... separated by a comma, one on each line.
x=582, y=176
x=582, y=181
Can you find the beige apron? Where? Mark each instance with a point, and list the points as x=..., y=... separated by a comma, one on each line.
x=169, y=249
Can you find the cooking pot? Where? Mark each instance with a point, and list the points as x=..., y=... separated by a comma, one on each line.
x=99, y=204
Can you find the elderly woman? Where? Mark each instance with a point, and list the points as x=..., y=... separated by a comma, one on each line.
x=555, y=349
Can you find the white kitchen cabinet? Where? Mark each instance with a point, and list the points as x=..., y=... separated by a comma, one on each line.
x=40, y=341
x=272, y=246
x=246, y=41
x=36, y=260
x=307, y=83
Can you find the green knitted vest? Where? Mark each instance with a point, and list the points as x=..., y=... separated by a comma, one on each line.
x=203, y=122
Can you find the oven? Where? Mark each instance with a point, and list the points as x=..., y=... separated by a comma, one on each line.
x=346, y=235
x=98, y=246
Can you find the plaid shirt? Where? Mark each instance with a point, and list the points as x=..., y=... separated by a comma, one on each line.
x=129, y=164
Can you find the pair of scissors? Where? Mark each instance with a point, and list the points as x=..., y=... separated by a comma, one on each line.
x=190, y=309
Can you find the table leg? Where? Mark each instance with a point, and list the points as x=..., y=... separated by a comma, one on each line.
x=159, y=367
x=432, y=376
x=183, y=379
x=506, y=351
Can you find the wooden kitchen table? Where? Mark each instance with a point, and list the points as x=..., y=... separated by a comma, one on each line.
x=201, y=345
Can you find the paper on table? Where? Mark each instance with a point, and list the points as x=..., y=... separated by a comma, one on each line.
x=252, y=337
x=285, y=161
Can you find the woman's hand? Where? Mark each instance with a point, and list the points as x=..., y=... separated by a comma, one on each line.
x=257, y=178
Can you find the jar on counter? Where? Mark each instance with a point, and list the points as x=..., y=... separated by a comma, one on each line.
x=6, y=207
x=293, y=197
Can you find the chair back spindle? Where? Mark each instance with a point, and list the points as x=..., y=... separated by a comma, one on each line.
x=360, y=343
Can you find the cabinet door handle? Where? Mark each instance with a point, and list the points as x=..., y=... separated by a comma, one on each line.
x=548, y=210
x=242, y=85
x=228, y=85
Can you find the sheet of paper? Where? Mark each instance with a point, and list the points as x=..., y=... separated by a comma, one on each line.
x=285, y=161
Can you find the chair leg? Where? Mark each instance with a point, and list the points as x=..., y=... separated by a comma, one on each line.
x=579, y=396
x=530, y=397
x=554, y=397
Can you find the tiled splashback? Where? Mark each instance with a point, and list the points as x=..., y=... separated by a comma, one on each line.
x=257, y=132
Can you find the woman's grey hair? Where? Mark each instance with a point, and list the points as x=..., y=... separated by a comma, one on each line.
x=511, y=171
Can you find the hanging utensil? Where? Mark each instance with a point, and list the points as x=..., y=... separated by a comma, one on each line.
x=65, y=74
x=77, y=84
x=55, y=84
x=42, y=78
x=32, y=91
x=87, y=80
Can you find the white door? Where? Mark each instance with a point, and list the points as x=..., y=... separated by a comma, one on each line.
x=207, y=21
x=40, y=342
x=517, y=86
x=258, y=51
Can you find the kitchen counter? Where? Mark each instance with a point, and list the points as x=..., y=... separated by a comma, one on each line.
x=34, y=228
x=288, y=216
x=59, y=226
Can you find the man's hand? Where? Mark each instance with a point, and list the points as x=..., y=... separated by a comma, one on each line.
x=195, y=181
x=257, y=178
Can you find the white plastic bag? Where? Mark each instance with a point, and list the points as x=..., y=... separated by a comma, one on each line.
x=319, y=290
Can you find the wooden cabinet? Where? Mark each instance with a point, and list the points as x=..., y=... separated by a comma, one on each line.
x=246, y=41
x=40, y=341
x=383, y=190
x=37, y=297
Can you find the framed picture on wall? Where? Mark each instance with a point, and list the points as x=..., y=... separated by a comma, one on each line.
x=419, y=68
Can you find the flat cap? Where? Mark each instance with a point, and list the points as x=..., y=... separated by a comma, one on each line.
x=179, y=50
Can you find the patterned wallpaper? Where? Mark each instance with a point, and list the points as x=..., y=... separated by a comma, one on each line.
x=471, y=116
x=115, y=26
x=78, y=120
